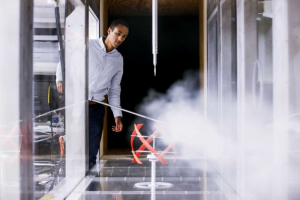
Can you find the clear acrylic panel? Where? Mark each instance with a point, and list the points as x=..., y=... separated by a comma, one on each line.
x=59, y=96
x=294, y=100
x=10, y=147
x=49, y=126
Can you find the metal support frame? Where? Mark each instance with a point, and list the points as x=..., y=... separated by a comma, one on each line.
x=26, y=99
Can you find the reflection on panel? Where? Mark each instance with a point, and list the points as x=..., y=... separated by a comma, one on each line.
x=294, y=99
x=93, y=25
x=212, y=76
x=49, y=162
x=228, y=88
x=263, y=71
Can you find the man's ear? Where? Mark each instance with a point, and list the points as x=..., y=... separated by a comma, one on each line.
x=109, y=31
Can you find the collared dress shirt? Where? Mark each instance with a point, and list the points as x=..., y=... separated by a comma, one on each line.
x=105, y=74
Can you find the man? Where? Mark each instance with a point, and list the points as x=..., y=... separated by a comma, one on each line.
x=105, y=74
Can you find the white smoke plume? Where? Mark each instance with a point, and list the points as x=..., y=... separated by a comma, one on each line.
x=197, y=138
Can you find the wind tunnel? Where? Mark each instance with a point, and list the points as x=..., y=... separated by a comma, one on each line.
x=54, y=137
x=249, y=84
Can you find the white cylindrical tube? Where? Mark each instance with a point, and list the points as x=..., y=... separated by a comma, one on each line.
x=154, y=33
x=153, y=179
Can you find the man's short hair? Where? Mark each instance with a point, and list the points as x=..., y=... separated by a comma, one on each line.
x=117, y=22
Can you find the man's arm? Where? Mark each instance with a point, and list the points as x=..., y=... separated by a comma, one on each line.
x=114, y=99
x=59, y=78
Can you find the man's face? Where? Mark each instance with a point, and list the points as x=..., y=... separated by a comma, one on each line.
x=117, y=36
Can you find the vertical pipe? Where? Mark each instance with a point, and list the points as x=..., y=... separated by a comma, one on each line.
x=154, y=34
x=153, y=173
x=153, y=178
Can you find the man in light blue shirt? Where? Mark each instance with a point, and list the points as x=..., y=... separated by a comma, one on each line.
x=105, y=74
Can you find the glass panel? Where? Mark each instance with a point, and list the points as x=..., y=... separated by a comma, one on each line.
x=294, y=31
x=263, y=69
x=48, y=126
x=9, y=101
x=294, y=100
x=10, y=142
x=256, y=100
x=228, y=89
x=269, y=137
x=212, y=76
x=59, y=96
x=93, y=25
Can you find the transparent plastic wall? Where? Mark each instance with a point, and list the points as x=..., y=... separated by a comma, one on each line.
x=293, y=130
x=9, y=105
x=16, y=100
x=268, y=127
x=222, y=83
x=253, y=95
x=268, y=121
x=49, y=165
x=60, y=101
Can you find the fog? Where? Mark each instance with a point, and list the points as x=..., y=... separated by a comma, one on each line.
x=244, y=157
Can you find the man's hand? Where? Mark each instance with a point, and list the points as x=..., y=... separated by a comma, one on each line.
x=119, y=125
x=59, y=86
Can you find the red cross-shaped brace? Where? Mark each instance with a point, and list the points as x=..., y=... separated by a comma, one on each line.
x=146, y=144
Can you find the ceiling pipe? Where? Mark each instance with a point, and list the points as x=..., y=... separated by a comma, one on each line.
x=154, y=34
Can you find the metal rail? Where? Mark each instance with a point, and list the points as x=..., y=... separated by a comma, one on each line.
x=119, y=108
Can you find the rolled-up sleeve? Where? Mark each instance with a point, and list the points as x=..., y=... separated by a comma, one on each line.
x=58, y=73
x=114, y=92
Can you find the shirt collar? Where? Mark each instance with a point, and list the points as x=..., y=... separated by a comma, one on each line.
x=102, y=45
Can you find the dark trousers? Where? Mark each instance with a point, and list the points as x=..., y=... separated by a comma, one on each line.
x=96, y=116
